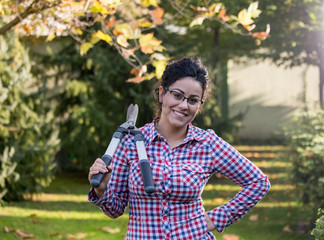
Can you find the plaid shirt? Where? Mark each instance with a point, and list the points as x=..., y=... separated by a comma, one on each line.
x=175, y=210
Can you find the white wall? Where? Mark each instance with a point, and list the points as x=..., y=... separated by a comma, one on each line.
x=271, y=94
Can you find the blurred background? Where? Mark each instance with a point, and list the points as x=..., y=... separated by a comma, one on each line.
x=69, y=70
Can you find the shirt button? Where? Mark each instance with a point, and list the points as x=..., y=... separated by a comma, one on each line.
x=165, y=218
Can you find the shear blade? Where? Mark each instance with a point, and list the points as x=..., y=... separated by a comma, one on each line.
x=132, y=112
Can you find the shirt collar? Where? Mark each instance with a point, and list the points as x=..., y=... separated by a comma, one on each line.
x=193, y=133
x=152, y=132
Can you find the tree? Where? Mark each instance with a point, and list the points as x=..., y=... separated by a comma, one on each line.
x=28, y=137
x=89, y=97
x=128, y=26
x=297, y=35
x=216, y=44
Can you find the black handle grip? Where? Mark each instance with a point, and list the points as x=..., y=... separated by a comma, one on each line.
x=147, y=176
x=96, y=179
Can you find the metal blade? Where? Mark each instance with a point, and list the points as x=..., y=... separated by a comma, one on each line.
x=132, y=113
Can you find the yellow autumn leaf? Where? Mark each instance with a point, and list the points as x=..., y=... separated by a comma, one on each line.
x=144, y=23
x=215, y=8
x=103, y=36
x=147, y=3
x=122, y=41
x=244, y=17
x=253, y=9
x=111, y=3
x=84, y=48
x=50, y=37
x=149, y=43
x=128, y=31
x=198, y=20
x=97, y=7
x=159, y=67
x=94, y=39
x=77, y=31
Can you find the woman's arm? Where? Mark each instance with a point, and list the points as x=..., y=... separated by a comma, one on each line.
x=114, y=199
x=230, y=163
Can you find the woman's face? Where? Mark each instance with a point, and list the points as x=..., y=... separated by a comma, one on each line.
x=179, y=113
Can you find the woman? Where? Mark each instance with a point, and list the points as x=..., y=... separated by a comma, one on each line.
x=182, y=157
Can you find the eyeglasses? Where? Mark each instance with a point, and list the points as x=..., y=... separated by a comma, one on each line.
x=178, y=96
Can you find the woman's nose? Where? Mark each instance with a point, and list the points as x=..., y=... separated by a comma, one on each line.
x=184, y=104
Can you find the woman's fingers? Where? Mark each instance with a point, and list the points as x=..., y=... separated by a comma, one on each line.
x=98, y=166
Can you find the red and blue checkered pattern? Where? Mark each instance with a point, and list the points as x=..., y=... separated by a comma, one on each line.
x=175, y=210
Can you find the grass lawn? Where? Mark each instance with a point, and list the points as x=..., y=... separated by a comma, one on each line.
x=63, y=212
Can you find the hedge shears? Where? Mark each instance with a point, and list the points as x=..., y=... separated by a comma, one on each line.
x=128, y=128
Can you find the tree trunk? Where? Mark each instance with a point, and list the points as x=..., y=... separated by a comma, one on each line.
x=223, y=85
x=320, y=54
x=221, y=77
x=321, y=84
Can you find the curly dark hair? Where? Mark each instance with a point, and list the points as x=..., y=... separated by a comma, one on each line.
x=178, y=69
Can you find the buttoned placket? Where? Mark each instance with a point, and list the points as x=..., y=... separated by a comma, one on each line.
x=166, y=189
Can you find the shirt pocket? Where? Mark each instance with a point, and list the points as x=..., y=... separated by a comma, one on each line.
x=194, y=176
x=135, y=175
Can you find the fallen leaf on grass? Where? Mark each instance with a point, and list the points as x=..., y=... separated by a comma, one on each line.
x=76, y=236
x=20, y=234
x=231, y=237
x=111, y=230
x=254, y=218
x=218, y=200
x=54, y=234
x=24, y=235
x=287, y=229
x=8, y=230
x=35, y=221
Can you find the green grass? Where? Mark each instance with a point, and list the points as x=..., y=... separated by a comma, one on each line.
x=63, y=210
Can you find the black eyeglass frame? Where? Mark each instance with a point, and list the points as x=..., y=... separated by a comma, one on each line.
x=184, y=97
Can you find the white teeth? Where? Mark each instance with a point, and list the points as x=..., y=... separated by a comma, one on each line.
x=179, y=114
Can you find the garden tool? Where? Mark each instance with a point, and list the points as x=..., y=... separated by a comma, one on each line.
x=128, y=128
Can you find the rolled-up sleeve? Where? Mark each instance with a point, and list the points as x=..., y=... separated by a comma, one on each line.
x=230, y=163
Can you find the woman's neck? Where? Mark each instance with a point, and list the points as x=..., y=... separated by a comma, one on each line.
x=174, y=136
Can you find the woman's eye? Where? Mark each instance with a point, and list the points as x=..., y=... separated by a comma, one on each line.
x=177, y=95
x=193, y=101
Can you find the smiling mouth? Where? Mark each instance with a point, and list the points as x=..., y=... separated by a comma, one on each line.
x=179, y=114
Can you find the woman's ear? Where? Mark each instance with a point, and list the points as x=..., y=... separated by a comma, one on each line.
x=160, y=94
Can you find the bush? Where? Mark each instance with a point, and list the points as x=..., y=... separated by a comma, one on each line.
x=318, y=231
x=27, y=137
x=305, y=137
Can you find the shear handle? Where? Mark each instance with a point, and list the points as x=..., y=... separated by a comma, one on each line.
x=107, y=157
x=144, y=163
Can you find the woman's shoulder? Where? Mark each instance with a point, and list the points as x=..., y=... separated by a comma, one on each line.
x=202, y=134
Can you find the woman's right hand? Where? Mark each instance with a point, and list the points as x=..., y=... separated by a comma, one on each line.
x=99, y=166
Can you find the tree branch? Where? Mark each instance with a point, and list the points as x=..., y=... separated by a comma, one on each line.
x=29, y=10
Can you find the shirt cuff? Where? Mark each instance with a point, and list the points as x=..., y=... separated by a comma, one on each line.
x=219, y=218
x=93, y=197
